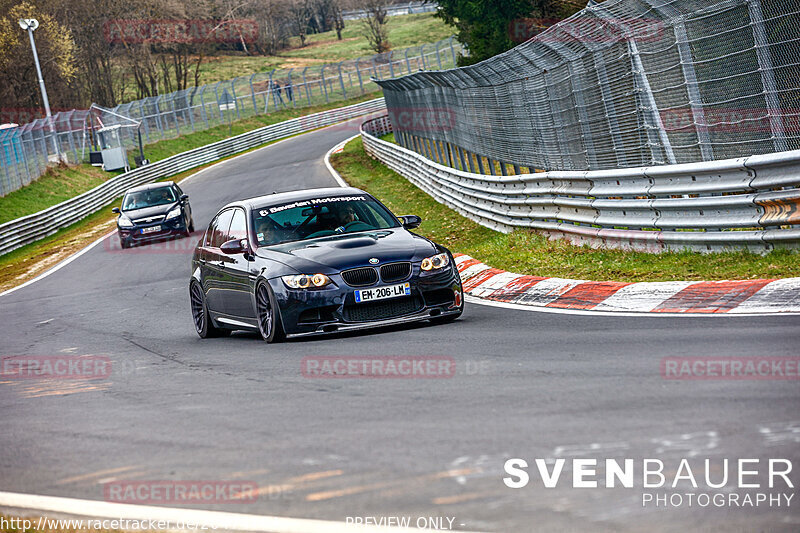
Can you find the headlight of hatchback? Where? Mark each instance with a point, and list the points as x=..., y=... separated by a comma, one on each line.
x=306, y=281
x=124, y=222
x=435, y=262
x=174, y=213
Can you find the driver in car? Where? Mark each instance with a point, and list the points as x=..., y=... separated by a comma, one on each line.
x=266, y=232
x=343, y=215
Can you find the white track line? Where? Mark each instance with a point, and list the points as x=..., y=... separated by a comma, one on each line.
x=332, y=170
x=216, y=520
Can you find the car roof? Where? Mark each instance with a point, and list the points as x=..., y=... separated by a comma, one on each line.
x=295, y=196
x=148, y=186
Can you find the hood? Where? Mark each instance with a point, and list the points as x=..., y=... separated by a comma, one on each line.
x=145, y=212
x=333, y=254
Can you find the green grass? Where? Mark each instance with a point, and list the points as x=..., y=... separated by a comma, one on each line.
x=404, y=31
x=526, y=252
x=55, y=186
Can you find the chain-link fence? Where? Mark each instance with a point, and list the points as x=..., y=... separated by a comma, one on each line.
x=623, y=83
x=26, y=151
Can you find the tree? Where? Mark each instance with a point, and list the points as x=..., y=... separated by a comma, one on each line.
x=20, y=87
x=375, y=20
x=485, y=26
x=299, y=16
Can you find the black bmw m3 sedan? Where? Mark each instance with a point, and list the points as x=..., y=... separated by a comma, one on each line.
x=318, y=261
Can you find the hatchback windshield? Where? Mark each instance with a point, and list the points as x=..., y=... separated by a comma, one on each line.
x=148, y=198
x=319, y=217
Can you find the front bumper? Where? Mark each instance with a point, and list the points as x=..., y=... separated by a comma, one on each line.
x=331, y=310
x=167, y=228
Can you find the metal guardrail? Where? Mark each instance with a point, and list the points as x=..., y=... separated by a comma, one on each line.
x=30, y=228
x=747, y=203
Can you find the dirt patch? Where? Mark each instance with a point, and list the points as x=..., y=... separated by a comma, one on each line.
x=25, y=270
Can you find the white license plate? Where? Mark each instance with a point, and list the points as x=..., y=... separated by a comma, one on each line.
x=382, y=293
x=153, y=229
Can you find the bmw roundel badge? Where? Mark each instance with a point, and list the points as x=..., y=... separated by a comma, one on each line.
x=374, y=261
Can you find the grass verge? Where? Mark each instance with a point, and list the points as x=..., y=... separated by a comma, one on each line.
x=526, y=252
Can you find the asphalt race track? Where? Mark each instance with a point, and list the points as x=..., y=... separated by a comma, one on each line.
x=528, y=384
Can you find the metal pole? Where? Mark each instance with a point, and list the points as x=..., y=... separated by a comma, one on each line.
x=324, y=87
x=253, y=93
x=767, y=75
x=341, y=81
x=305, y=86
x=30, y=28
x=358, y=71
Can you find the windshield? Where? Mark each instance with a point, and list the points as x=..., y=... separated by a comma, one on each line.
x=148, y=198
x=320, y=217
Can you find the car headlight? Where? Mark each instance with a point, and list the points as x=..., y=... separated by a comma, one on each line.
x=124, y=222
x=174, y=213
x=435, y=262
x=307, y=281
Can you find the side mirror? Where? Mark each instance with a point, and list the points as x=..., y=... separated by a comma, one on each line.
x=410, y=221
x=115, y=210
x=184, y=197
x=234, y=246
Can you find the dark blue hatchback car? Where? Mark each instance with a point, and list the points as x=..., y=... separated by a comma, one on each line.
x=152, y=212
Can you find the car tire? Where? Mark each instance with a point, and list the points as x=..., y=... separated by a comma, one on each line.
x=191, y=225
x=124, y=244
x=200, y=315
x=268, y=314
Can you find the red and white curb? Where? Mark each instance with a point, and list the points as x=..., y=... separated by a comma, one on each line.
x=758, y=296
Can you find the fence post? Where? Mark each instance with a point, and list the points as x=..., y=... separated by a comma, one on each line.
x=203, y=113
x=453, y=51
x=253, y=93
x=270, y=92
x=358, y=71
x=610, y=109
x=408, y=63
x=324, y=84
x=651, y=108
x=765, y=67
x=291, y=87
x=235, y=101
x=341, y=81
x=438, y=55
x=422, y=56
x=693, y=90
x=305, y=86
x=391, y=66
x=175, y=115
x=158, y=117
x=216, y=101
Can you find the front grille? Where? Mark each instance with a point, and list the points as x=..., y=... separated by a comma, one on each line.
x=395, y=271
x=149, y=220
x=380, y=310
x=360, y=277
